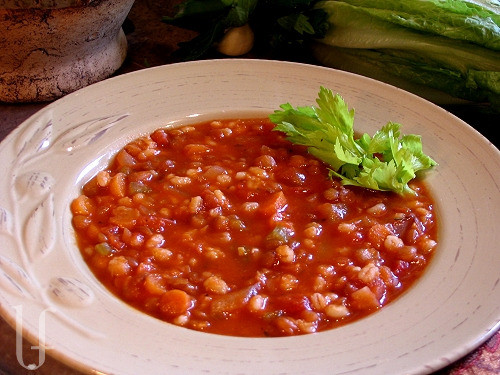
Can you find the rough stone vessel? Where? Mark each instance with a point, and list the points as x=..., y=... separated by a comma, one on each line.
x=49, y=48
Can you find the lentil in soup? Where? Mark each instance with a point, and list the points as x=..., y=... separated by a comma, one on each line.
x=226, y=227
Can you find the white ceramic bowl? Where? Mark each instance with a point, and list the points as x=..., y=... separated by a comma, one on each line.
x=452, y=309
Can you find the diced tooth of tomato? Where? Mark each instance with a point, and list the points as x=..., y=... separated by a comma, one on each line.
x=175, y=302
x=234, y=300
x=364, y=299
x=293, y=304
x=160, y=137
x=117, y=185
x=377, y=235
x=275, y=204
x=275, y=207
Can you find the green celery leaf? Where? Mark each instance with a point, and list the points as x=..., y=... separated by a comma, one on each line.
x=280, y=27
x=296, y=22
x=199, y=45
x=240, y=12
x=385, y=161
x=197, y=14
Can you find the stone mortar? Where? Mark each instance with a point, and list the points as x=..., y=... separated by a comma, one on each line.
x=50, y=48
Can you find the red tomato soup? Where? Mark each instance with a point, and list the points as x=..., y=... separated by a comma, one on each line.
x=226, y=227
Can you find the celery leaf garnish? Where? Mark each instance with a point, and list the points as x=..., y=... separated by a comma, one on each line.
x=387, y=161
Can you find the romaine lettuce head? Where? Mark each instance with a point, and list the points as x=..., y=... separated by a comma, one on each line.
x=449, y=45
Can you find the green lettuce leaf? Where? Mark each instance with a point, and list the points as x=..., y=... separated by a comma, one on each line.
x=449, y=45
x=392, y=66
x=473, y=21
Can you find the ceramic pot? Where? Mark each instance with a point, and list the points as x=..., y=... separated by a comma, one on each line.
x=50, y=48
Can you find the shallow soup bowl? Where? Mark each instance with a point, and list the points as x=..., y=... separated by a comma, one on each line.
x=451, y=309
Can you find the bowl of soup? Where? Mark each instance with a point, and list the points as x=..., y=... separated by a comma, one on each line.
x=158, y=224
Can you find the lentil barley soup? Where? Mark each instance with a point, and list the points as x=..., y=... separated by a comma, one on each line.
x=226, y=227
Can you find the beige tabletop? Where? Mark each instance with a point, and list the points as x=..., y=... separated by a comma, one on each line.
x=150, y=44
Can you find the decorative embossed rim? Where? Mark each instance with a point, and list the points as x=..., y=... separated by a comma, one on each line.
x=451, y=310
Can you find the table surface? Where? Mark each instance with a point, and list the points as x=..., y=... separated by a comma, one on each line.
x=152, y=43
